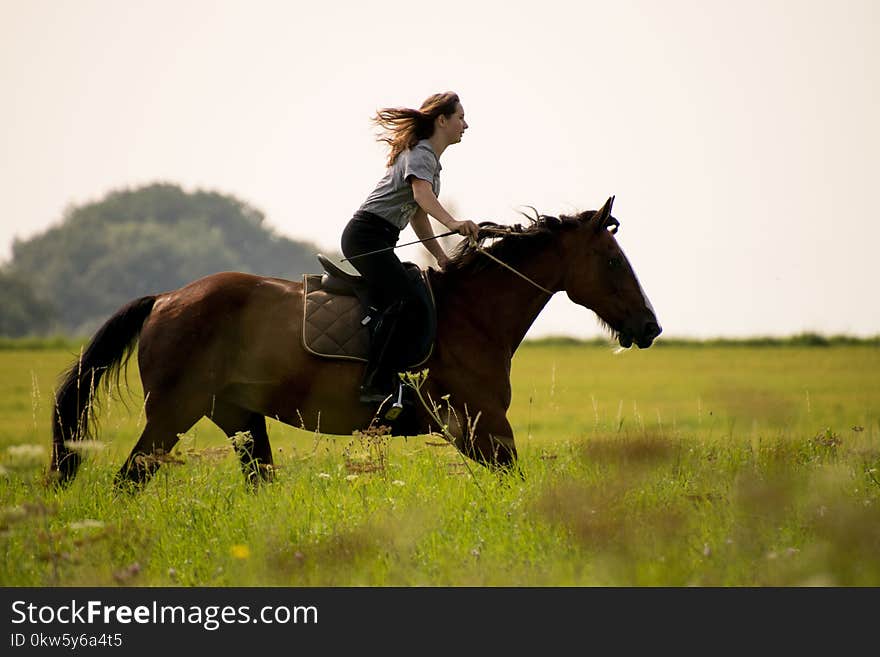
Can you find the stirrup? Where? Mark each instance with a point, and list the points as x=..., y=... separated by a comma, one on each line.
x=394, y=412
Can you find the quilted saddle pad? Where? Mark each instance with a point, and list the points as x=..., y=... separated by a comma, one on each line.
x=332, y=324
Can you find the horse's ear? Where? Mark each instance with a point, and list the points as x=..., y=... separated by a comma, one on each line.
x=603, y=214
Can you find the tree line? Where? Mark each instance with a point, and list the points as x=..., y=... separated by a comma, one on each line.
x=134, y=242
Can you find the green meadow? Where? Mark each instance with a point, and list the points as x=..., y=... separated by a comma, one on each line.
x=687, y=464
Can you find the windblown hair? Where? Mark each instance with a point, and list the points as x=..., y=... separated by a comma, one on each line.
x=403, y=128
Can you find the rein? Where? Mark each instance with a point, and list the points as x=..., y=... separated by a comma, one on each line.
x=397, y=246
x=474, y=244
x=503, y=231
x=506, y=266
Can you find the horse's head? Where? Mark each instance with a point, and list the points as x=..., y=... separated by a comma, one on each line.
x=599, y=276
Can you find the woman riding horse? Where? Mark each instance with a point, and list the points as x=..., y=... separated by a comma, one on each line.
x=407, y=194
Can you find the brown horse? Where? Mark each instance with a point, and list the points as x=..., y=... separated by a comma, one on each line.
x=229, y=347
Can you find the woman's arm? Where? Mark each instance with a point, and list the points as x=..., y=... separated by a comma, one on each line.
x=422, y=228
x=423, y=194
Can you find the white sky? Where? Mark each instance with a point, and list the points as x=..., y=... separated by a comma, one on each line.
x=741, y=139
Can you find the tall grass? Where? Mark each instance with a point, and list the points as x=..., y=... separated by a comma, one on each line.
x=717, y=465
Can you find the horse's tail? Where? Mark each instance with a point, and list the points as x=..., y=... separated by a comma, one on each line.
x=108, y=351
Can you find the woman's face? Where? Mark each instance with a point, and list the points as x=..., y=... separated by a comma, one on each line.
x=453, y=126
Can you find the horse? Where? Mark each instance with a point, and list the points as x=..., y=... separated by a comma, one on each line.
x=229, y=347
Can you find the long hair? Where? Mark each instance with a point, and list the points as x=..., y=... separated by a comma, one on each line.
x=402, y=127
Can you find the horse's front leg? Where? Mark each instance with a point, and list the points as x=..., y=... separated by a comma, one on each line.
x=485, y=437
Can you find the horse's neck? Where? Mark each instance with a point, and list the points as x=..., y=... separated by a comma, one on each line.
x=502, y=306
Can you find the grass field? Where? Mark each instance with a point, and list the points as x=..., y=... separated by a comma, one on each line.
x=725, y=465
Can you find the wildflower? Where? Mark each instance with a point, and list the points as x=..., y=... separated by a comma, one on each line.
x=351, y=477
x=88, y=523
x=398, y=482
x=128, y=573
x=240, y=551
x=85, y=445
x=25, y=452
x=323, y=475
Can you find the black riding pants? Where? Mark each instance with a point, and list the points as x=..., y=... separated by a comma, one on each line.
x=383, y=272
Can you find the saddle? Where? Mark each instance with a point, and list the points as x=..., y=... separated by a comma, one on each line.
x=338, y=315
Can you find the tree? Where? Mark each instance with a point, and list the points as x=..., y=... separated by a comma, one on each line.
x=145, y=241
x=21, y=311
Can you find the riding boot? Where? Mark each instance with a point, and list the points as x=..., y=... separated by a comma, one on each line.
x=378, y=381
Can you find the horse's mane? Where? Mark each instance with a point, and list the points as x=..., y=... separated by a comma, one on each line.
x=510, y=245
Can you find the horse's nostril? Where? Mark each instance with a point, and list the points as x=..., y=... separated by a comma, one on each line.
x=652, y=330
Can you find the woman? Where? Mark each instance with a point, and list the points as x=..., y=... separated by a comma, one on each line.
x=406, y=195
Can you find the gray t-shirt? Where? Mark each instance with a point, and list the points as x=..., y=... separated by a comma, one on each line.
x=393, y=197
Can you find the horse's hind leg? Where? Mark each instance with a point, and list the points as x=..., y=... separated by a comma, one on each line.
x=250, y=439
x=167, y=418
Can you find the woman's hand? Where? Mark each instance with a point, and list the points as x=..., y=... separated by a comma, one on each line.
x=442, y=261
x=466, y=228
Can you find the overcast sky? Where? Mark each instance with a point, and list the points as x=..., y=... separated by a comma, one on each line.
x=741, y=139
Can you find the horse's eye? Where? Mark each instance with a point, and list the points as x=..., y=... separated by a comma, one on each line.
x=615, y=262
